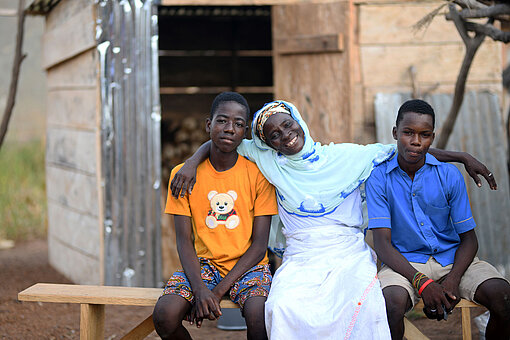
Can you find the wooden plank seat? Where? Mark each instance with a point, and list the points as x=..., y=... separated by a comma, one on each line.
x=413, y=333
x=94, y=298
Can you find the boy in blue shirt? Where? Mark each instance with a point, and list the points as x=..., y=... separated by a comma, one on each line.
x=424, y=233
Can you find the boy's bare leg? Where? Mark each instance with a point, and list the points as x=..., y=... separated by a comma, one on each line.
x=397, y=303
x=495, y=295
x=168, y=315
x=254, y=316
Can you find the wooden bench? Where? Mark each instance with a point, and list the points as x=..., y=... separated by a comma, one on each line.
x=413, y=333
x=93, y=299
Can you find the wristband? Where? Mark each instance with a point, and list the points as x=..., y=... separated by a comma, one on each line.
x=424, y=285
x=417, y=278
x=414, y=277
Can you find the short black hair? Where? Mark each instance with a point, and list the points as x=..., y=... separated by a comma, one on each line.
x=417, y=106
x=230, y=97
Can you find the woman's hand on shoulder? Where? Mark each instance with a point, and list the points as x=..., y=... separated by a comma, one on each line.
x=474, y=168
x=184, y=180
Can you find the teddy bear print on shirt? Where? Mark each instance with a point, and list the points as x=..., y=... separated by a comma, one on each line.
x=222, y=210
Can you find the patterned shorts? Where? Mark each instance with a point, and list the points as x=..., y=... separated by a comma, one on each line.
x=255, y=282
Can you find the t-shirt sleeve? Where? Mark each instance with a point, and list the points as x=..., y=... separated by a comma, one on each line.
x=248, y=149
x=265, y=201
x=460, y=210
x=379, y=215
x=177, y=206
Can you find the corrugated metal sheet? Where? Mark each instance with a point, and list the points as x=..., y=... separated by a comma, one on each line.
x=479, y=130
x=130, y=133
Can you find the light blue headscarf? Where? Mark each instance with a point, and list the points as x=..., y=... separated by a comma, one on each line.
x=317, y=179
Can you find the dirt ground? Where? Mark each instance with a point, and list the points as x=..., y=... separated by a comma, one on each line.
x=27, y=264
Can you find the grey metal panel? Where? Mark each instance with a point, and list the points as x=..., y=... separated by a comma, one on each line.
x=130, y=135
x=479, y=130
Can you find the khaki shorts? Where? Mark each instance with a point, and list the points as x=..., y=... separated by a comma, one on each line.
x=477, y=273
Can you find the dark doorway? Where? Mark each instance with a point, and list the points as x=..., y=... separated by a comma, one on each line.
x=204, y=50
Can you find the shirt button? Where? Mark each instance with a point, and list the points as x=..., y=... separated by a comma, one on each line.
x=414, y=194
x=421, y=223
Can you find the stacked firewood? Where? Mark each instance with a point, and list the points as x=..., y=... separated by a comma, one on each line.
x=180, y=138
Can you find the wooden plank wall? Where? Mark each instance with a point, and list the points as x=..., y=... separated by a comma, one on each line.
x=317, y=83
x=388, y=47
x=72, y=149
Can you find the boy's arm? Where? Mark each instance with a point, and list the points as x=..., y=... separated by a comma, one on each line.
x=433, y=294
x=462, y=218
x=463, y=258
x=206, y=304
x=254, y=254
x=185, y=178
x=472, y=165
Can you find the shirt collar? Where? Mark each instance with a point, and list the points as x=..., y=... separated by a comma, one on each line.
x=393, y=163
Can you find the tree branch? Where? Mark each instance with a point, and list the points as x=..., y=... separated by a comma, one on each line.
x=18, y=59
x=491, y=11
x=489, y=30
x=459, y=24
x=469, y=4
x=500, y=12
x=472, y=45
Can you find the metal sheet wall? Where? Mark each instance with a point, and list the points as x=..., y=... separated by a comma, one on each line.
x=127, y=38
x=479, y=130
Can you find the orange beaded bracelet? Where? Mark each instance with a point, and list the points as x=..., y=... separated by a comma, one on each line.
x=424, y=285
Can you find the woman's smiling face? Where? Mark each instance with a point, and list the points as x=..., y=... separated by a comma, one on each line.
x=284, y=134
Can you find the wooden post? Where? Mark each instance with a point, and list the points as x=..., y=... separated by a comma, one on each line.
x=91, y=322
x=466, y=323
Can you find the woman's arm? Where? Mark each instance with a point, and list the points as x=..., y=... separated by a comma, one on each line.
x=472, y=165
x=185, y=178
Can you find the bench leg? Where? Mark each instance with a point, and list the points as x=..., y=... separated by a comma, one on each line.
x=141, y=331
x=91, y=322
x=411, y=332
x=466, y=323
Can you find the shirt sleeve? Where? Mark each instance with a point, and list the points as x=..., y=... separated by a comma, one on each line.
x=379, y=214
x=265, y=201
x=460, y=210
x=177, y=206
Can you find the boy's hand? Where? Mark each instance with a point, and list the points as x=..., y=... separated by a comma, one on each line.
x=475, y=168
x=451, y=289
x=207, y=306
x=184, y=180
x=435, y=301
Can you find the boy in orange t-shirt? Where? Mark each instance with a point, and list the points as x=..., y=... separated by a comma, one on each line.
x=222, y=230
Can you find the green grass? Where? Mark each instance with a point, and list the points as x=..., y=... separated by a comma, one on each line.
x=22, y=191
x=414, y=314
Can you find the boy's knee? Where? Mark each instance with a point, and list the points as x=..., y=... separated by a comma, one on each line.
x=495, y=295
x=254, y=308
x=397, y=301
x=166, y=317
x=500, y=304
x=253, y=313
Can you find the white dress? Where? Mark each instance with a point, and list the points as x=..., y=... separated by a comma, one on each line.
x=326, y=287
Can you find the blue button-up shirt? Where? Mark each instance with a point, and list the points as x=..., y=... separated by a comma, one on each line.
x=425, y=215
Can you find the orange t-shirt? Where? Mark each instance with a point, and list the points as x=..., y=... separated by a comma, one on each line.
x=222, y=207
